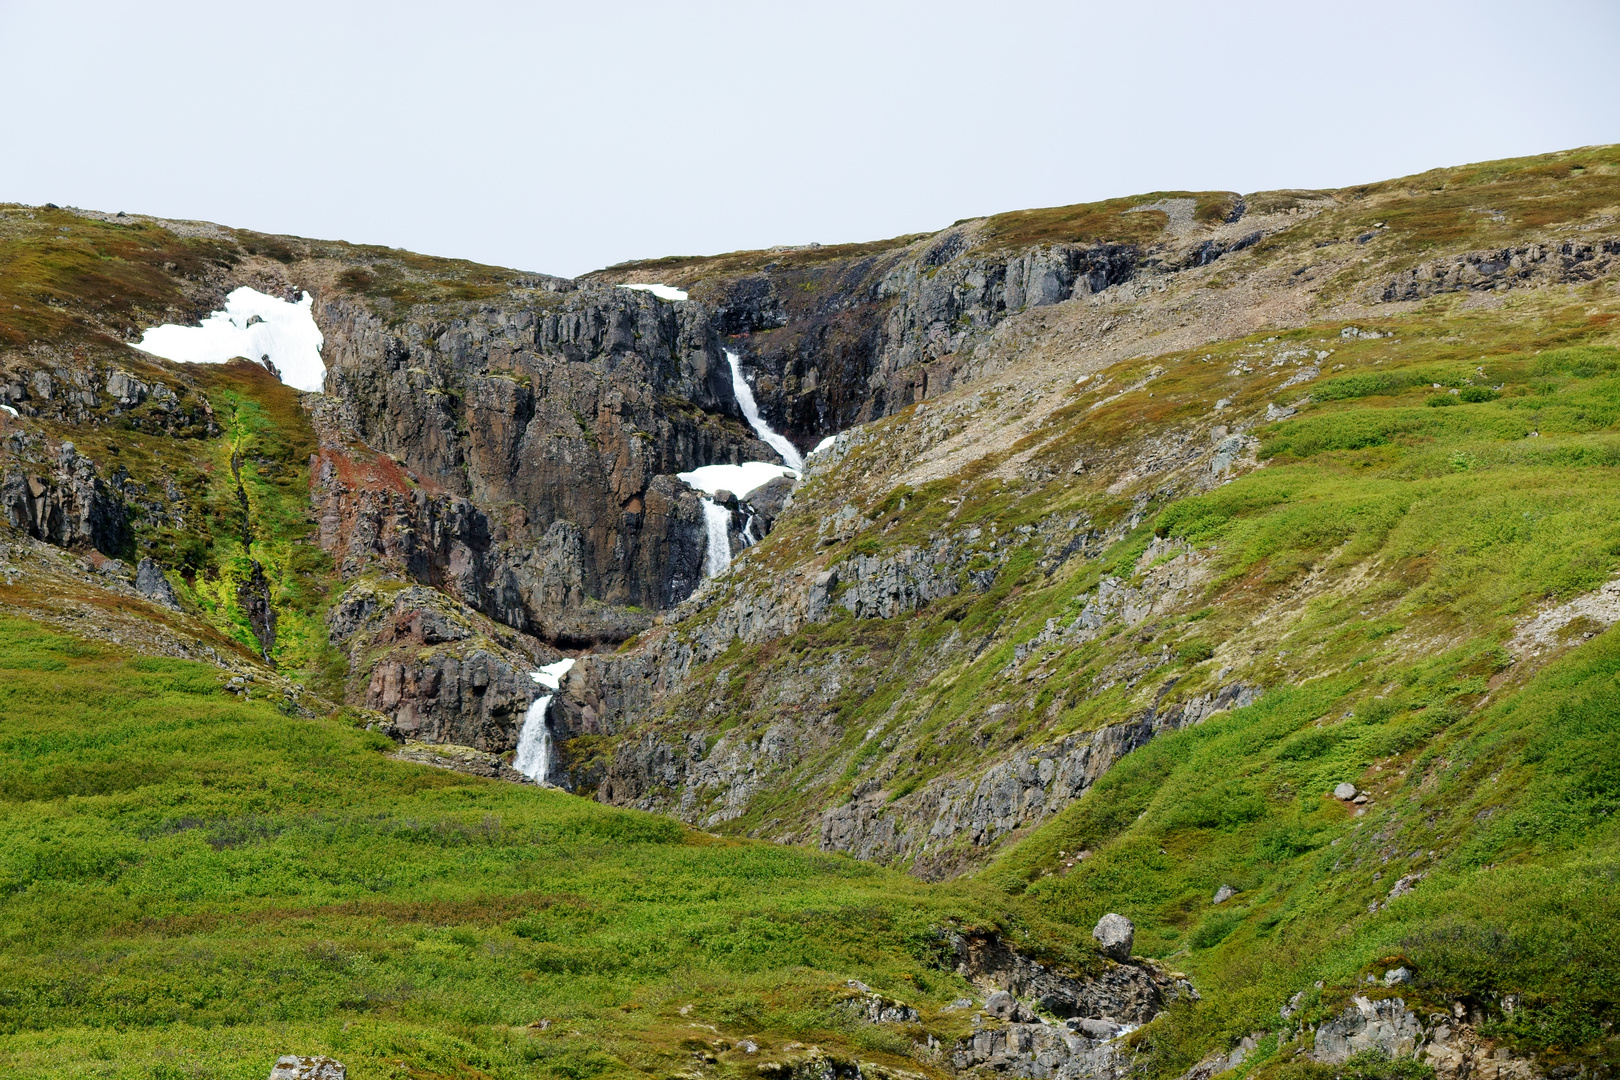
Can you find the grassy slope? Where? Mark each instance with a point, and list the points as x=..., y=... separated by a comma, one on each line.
x=1393, y=538
x=226, y=883
x=191, y=884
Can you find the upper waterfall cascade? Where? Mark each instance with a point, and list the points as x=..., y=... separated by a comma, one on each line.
x=740, y=480
x=745, y=397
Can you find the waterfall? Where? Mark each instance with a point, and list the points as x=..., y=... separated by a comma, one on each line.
x=740, y=480
x=533, y=757
x=718, y=520
x=750, y=408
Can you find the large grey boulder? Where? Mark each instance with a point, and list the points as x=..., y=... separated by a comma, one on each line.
x=1115, y=934
x=1345, y=791
x=1385, y=1025
x=150, y=583
x=300, y=1067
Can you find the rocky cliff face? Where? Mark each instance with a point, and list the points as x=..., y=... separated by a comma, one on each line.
x=540, y=437
x=844, y=338
x=68, y=505
x=441, y=673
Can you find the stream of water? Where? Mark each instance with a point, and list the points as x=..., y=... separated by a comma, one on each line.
x=740, y=480
x=534, y=756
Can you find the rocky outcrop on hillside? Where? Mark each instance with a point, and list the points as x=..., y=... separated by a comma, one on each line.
x=1093, y=1012
x=506, y=419
x=66, y=503
x=1126, y=992
x=1507, y=268
x=83, y=391
x=929, y=826
x=442, y=673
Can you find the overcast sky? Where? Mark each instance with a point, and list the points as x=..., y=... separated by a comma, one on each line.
x=564, y=137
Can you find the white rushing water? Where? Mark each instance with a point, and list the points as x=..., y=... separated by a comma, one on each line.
x=750, y=408
x=740, y=480
x=718, y=521
x=533, y=758
x=254, y=326
x=663, y=292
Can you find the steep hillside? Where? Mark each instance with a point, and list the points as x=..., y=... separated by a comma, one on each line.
x=1241, y=564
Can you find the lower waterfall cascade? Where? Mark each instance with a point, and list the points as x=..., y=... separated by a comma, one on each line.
x=534, y=750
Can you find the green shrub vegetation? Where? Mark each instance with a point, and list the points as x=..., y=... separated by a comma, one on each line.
x=198, y=882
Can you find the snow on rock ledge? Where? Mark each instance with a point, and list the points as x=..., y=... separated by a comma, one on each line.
x=663, y=292
x=253, y=325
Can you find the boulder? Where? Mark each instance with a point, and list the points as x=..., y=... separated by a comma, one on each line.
x=150, y=583
x=300, y=1067
x=1345, y=791
x=1385, y=1025
x=1223, y=894
x=1115, y=934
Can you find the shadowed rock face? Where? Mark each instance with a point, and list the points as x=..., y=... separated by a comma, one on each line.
x=529, y=452
x=68, y=505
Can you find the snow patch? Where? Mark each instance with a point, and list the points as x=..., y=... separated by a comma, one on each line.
x=663, y=292
x=550, y=676
x=9, y=409
x=824, y=444
x=254, y=326
x=750, y=408
x=740, y=480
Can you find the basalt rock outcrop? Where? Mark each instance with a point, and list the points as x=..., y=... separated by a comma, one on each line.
x=1022, y=790
x=575, y=406
x=1126, y=992
x=1507, y=268
x=1093, y=1012
x=67, y=504
x=442, y=673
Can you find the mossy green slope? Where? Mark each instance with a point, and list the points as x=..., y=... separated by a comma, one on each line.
x=192, y=884
x=1450, y=473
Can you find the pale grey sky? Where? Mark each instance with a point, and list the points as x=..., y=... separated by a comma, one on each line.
x=562, y=137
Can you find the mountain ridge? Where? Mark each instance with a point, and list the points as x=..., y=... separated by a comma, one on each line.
x=1142, y=529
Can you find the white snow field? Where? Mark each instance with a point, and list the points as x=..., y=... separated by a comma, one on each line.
x=824, y=444
x=551, y=675
x=750, y=408
x=663, y=292
x=254, y=326
x=533, y=758
x=741, y=480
